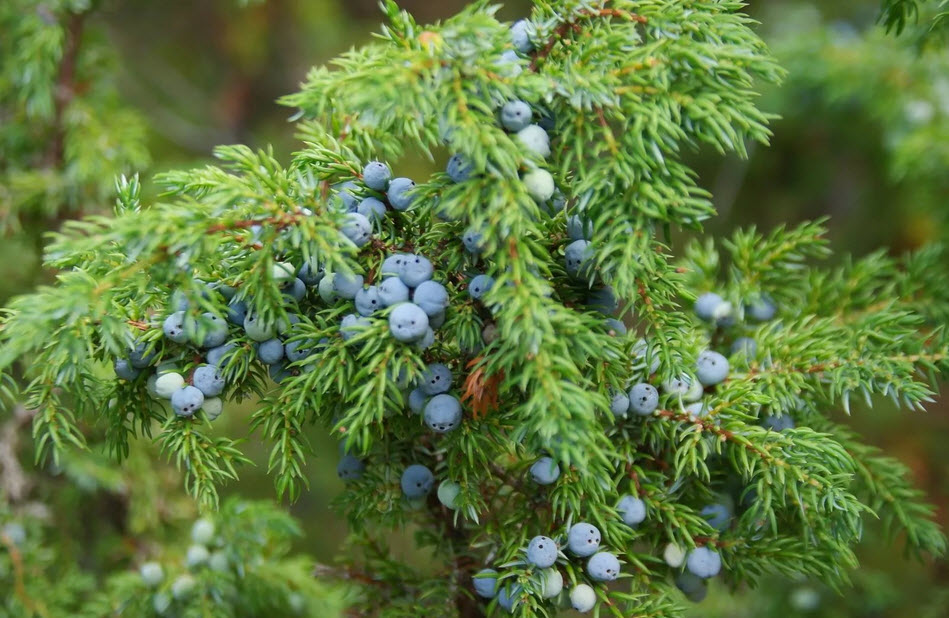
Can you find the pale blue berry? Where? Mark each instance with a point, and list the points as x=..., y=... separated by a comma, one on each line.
x=167, y=383
x=197, y=555
x=257, y=329
x=415, y=270
x=718, y=516
x=619, y=405
x=508, y=597
x=436, y=320
x=219, y=562
x=703, y=562
x=174, y=327
x=376, y=175
x=778, y=423
x=346, y=196
x=186, y=401
x=417, y=400
x=535, y=140
x=711, y=368
x=448, y=492
x=443, y=413
x=166, y=367
x=346, y=286
x=208, y=380
x=708, y=306
x=125, y=371
x=632, y=510
x=298, y=350
x=436, y=379
x=417, y=481
x=203, y=531
x=579, y=228
x=542, y=552
x=603, y=567
x=152, y=574
x=400, y=193
x=521, y=32
x=212, y=407
x=368, y=301
x=392, y=291
x=614, y=327
x=294, y=289
x=673, y=555
x=182, y=587
x=408, y=322
x=646, y=356
x=545, y=471
x=427, y=340
x=557, y=203
x=582, y=598
x=473, y=240
x=220, y=355
x=643, y=399
x=352, y=325
x=693, y=587
x=480, y=285
x=459, y=169
x=327, y=289
x=140, y=356
x=486, y=583
x=431, y=296
x=161, y=601
x=270, y=351
x=311, y=273
x=279, y=372
x=546, y=118
x=357, y=228
x=577, y=257
x=583, y=539
x=515, y=115
x=698, y=409
x=392, y=265
x=236, y=312
x=372, y=209
x=551, y=583
x=215, y=330
x=603, y=300
x=226, y=291
x=350, y=468
x=677, y=386
x=762, y=309
x=745, y=346
x=539, y=184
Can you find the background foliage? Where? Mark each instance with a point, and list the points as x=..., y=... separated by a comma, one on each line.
x=863, y=138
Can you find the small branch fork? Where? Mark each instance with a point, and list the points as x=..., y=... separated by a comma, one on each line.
x=561, y=31
x=730, y=436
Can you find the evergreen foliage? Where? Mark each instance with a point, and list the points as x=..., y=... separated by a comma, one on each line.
x=66, y=133
x=537, y=359
x=235, y=565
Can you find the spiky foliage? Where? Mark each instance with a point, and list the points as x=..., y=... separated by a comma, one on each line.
x=888, y=81
x=928, y=17
x=624, y=87
x=66, y=133
x=243, y=567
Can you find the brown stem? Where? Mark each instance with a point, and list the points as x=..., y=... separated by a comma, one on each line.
x=14, y=482
x=467, y=606
x=65, y=89
x=561, y=31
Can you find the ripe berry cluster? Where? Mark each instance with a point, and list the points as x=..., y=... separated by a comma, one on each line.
x=411, y=294
x=205, y=552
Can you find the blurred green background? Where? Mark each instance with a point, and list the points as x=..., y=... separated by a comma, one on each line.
x=864, y=121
